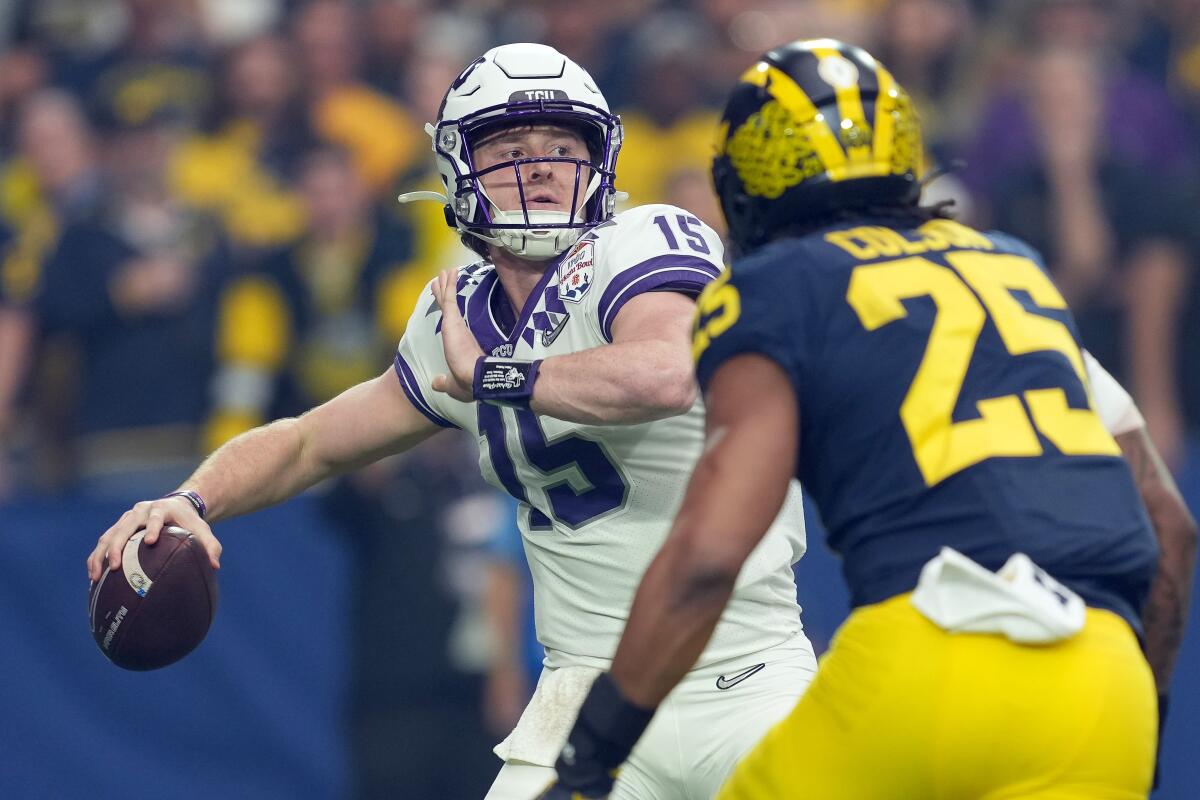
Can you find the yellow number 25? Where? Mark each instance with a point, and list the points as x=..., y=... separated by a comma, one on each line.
x=941, y=446
x=717, y=308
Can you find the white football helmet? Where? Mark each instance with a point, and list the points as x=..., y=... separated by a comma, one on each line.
x=519, y=84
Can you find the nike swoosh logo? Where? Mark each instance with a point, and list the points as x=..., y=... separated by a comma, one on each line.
x=733, y=680
x=549, y=336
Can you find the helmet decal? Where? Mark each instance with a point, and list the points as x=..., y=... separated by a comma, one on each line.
x=771, y=152
x=813, y=127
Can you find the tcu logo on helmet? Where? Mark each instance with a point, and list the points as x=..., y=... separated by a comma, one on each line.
x=538, y=94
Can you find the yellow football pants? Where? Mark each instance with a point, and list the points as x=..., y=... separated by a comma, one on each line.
x=902, y=710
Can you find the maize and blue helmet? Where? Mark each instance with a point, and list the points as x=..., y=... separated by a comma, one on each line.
x=814, y=127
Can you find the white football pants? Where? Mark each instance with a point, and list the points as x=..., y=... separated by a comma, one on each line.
x=698, y=734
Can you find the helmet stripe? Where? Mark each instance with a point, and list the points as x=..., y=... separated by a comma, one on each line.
x=885, y=104
x=783, y=88
x=849, y=103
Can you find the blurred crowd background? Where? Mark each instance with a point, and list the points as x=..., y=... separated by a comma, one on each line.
x=198, y=233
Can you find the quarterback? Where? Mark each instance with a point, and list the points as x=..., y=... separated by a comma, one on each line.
x=926, y=382
x=565, y=350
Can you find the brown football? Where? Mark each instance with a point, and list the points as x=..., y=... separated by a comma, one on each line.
x=158, y=605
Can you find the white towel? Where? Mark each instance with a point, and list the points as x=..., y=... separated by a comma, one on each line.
x=544, y=725
x=1021, y=601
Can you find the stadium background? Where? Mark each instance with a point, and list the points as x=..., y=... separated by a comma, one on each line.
x=197, y=233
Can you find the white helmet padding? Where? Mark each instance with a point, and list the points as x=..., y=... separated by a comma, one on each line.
x=524, y=84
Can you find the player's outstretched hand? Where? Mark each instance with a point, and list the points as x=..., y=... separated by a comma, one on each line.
x=151, y=515
x=459, y=344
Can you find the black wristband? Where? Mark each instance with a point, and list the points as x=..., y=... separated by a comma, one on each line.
x=605, y=732
x=192, y=497
x=505, y=381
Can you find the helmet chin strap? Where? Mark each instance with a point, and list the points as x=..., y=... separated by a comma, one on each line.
x=529, y=242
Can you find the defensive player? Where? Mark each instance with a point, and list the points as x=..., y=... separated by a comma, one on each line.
x=566, y=351
x=924, y=381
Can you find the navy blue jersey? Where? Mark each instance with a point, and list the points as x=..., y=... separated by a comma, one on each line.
x=943, y=401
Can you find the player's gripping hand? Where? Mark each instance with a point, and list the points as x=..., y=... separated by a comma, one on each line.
x=151, y=515
x=607, y=728
x=556, y=791
x=581, y=772
x=459, y=344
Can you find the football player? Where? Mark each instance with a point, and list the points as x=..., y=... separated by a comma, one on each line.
x=565, y=350
x=925, y=382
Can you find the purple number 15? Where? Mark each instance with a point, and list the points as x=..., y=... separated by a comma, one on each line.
x=575, y=508
x=694, y=240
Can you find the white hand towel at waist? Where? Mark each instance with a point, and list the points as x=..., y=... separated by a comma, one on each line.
x=1021, y=601
x=542, y=730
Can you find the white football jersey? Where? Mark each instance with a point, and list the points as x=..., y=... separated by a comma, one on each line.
x=597, y=501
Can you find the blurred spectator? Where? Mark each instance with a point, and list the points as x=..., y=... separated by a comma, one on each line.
x=241, y=168
x=448, y=43
x=516, y=655
x=241, y=118
x=591, y=34
x=1178, y=287
x=446, y=49
x=23, y=70
x=419, y=527
x=1085, y=24
x=127, y=285
x=1140, y=124
x=1164, y=342
x=848, y=20
x=230, y=21
x=745, y=30
x=1104, y=222
x=1174, y=48
x=77, y=36
x=159, y=68
x=672, y=121
x=690, y=187
x=740, y=32
x=320, y=316
x=54, y=182
x=394, y=29
x=342, y=109
x=927, y=46
x=15, y=342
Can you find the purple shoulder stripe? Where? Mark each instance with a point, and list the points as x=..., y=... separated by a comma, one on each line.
x=686, y=274
x=408, y=382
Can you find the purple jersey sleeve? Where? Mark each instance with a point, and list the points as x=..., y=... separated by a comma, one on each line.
x=655, y=248
x=418, y=358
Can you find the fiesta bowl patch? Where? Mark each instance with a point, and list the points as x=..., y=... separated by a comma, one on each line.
x=575, y=273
